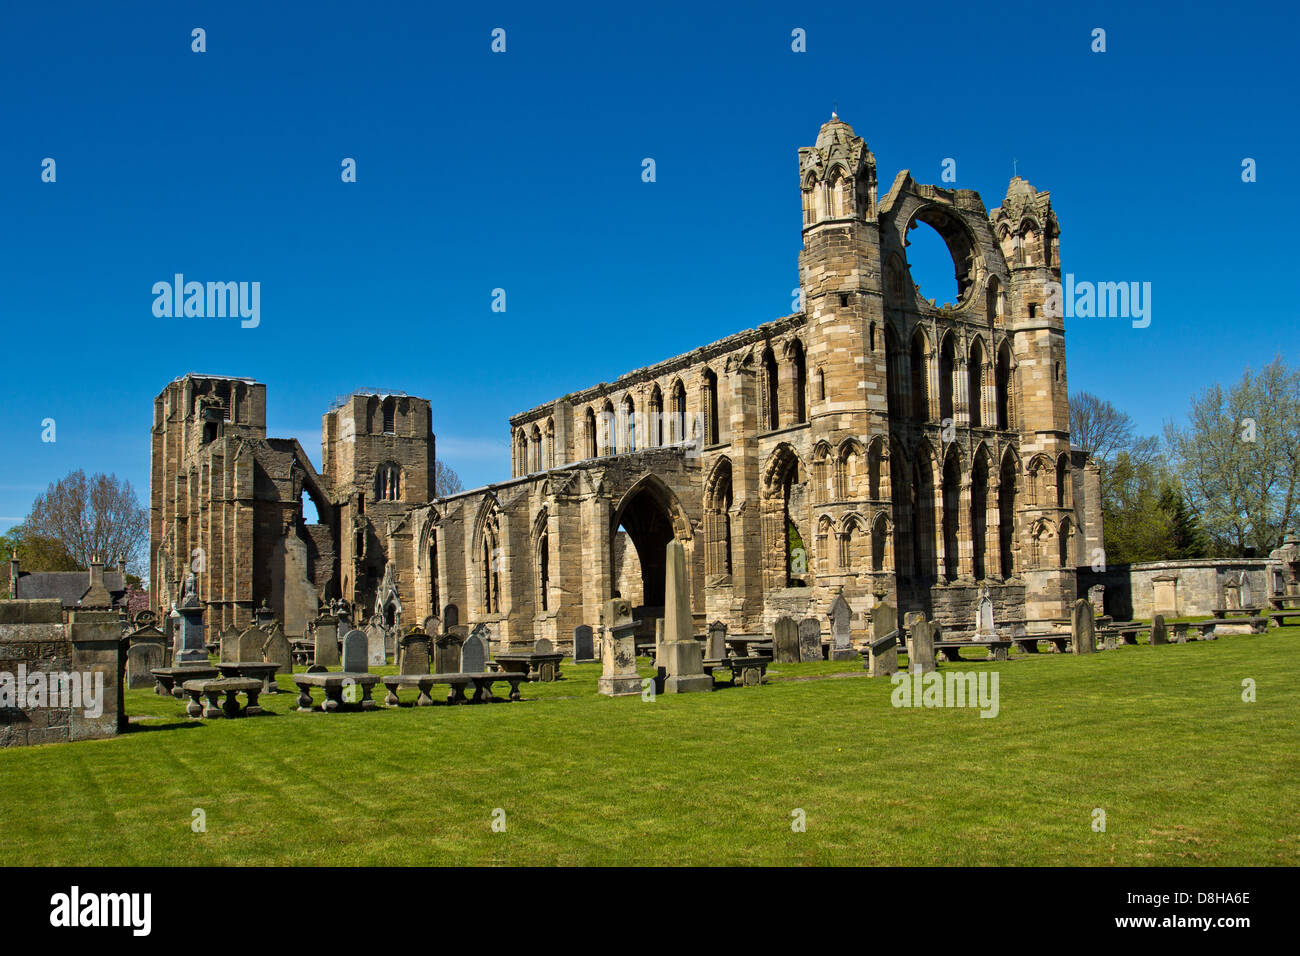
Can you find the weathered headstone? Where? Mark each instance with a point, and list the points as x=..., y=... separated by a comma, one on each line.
x=1159, y=631
x=141, y=658
x=376, y=647
x=446, y=651
x=250, y=646
x=884, y=618
x=717, y=643
x=882, y=655
x=984, y=630
x=415, y=653
x=229, y=651
x=1083, y=633
x=450, y=617
x=583, y=648
x=920, y=646
x=356, y=652
x=841, y=617
x=327, y=642
x=785, y=641
x=684, y=666
x=432, y=625
x=543, y=646
x=474, y=652
x=1097, y=598
x=618, y=651
x=659, y=642
x=1244, y=590
x=810, y=639
x=277, y=651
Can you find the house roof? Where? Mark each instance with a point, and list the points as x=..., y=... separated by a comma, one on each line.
x=67, y=586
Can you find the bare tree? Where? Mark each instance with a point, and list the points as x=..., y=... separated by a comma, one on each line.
x=99, y=515
x=1098, y=427
x=445, y=481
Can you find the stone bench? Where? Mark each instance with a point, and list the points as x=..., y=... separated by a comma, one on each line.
x=745, y=671
x=1282, y=602
x=1028, y=644
x=1222, y=612
x=535, y=666
x=170, y=679
x=213, y=688
x=259, y=670
x=333, y=683
x=1128, y=633
x=1279, y=617
x=456, y=682
x=951, y=650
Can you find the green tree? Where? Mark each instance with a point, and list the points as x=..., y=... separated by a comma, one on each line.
x=1239, y=459
x=91, y=515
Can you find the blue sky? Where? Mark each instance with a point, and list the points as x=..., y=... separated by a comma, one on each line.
x=522, y=171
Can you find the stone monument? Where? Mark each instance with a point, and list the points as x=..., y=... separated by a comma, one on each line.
x=618, y=651
x=684, y=666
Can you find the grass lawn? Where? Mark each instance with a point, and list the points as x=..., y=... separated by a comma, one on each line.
x=1158, y=737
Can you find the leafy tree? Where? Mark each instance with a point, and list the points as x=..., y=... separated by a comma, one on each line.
x=1239, y=459
x=1187, y=537
x=99, y=514
x=35, y=553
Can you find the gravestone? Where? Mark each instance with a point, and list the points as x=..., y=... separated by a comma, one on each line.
x=327, y=642
x=984, y=630
x=1083, y=633
x=229, y=652
x=882, y=655
x=884, y=618
x=716, y=649
x=446, y=651
x=474, y=652
x=277, y=651
x=1159, y=632
x=1164, y=594
x=583, y=649
x=1232, y=595
x=543, y=646
x=684, y=664
x=376, y=647
x=356, y=652
x=785, y=641
x=250, y=647
x=141, y=658
x=1097, y=598
x=841, y=617
x=810, y=639
x=450, y=617
x=415, y=653
x=618, y=652
x=1244, y=591
x=659, y=642
x=920, y=646
x=432, y=625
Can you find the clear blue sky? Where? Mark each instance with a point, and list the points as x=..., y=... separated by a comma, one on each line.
x=522, y=171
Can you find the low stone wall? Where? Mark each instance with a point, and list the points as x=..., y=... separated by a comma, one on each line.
x=59, y=681
x=1190, y=588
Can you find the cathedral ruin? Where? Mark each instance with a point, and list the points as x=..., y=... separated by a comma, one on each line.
x=871, y=444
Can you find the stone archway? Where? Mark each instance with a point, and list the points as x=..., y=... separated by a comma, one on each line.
x=652, y=516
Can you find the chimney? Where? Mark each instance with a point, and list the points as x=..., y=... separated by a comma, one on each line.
x=96, y=595
x=96, y=570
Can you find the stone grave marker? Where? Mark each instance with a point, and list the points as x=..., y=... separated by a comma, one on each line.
x=356, y=652
x=229, y=652
x=619, y=677
x=810, y=639
x=1159, y=630
x=446, y=650
x=684, y=665
x=717, y=643
x=583, y=648
x=543, y=646
x=474, y=652
x=277, y=651
x=432, y=625
x=984, y=630
x=415, y=653
x=250, y=647
x=1083, y=633
x=141, y=658
x=376, y=646
x=450, y=617
x=785, y=641
x=920, y=646
x=841, y=618
x=327, y=642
